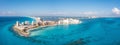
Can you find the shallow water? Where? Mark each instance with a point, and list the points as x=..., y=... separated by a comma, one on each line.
x=97, y=31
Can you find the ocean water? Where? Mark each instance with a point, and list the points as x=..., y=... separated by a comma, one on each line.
x=94, y=31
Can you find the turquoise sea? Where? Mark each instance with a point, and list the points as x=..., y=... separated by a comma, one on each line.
x=94, y=31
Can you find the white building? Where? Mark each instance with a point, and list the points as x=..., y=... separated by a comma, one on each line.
x=69, y=21
x=32, y=23
x=26, y=22
x=17, y=23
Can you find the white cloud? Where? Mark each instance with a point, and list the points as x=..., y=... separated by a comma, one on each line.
x=75, y=13
x=116, y=10
x=66, y=13
x=88, y=13
x=6, y=12
x=59, y=13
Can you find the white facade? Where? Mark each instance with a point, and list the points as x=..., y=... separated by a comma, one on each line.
x=17, y=23
x=26, y=22
x=69, y=21
x=32, y=23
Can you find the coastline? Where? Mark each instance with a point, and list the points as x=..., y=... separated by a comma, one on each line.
x=24, y=28
x=20, y=32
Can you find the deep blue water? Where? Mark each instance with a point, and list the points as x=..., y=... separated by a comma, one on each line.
x=96, y=31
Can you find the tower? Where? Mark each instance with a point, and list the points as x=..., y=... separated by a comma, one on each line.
x=17, y=23
x=32, y=23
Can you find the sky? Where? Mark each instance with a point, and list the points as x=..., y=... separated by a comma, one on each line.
x=59, y=7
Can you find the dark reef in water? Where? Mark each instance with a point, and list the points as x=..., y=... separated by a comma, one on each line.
x=81, y=41
x=77, y=42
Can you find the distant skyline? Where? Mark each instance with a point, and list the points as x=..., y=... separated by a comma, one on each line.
x=60, y=8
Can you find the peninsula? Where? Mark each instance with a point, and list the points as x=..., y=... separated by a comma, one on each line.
x=24, y=28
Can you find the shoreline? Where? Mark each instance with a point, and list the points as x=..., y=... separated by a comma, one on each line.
x=20, y=32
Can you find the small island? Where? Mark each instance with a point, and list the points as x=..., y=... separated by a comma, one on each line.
x=24, y=28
